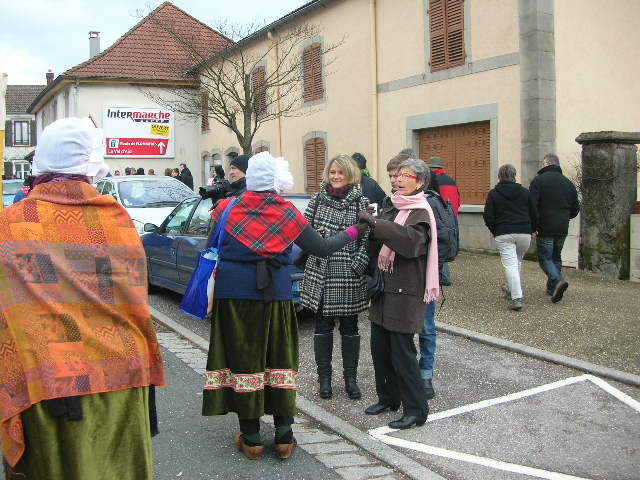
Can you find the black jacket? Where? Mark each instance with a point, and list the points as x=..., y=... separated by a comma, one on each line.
x=372, y=190
x=237, y=188
x=185, y=177
x=556, y=199
x=510, y=209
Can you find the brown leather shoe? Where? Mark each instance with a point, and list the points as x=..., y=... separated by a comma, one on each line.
x=284, y=450
x=252, y=453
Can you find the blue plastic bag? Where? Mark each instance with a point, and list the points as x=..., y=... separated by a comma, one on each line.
x=198, y=297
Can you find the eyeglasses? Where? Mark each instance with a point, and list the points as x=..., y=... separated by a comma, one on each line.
x=405, y=175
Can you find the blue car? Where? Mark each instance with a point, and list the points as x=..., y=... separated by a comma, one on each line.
x=173, y=248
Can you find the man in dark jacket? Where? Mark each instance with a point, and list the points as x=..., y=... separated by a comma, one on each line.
x=237, y=171
x=185, y=176
x=557, y=202
x=448, y=190
x=370, y=187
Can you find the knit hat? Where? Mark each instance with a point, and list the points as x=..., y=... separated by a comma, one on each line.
x=435, y=162
x=241, y=162
x=268, y=173
x=71, y=145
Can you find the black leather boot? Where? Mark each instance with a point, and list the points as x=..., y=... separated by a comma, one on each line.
x=323, y=349
x=350, y=356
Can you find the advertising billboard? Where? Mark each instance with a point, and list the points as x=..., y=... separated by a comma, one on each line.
x=141, y=132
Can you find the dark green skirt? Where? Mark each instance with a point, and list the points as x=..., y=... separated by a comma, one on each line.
x=252, y=366
x=112, y=441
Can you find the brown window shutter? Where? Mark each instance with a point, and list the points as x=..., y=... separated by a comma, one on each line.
x=437, y=34
x=314, y=156
x=8, y=133
x=258, y=78
x=312, y=72
x=204, y=115
x=455, y=33
x=33, y=129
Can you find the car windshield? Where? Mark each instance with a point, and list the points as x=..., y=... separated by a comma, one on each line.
x=153, y=193
x=300, y=203
x=11, y=188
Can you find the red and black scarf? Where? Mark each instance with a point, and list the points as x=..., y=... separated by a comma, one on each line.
x=265, y=223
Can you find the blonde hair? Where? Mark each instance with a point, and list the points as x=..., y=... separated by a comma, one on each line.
x=349, y=167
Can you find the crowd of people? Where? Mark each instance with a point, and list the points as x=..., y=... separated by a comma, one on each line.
x=72, y=377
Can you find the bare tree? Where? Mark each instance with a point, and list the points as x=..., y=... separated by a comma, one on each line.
x=248, y=83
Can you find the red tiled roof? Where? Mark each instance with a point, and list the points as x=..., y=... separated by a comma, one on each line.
x=150, y=50
x=19, y=97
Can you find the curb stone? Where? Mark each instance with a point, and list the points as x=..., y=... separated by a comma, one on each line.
x=313, y=437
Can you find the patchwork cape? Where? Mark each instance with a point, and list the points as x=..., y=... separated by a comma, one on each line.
x=74, y=317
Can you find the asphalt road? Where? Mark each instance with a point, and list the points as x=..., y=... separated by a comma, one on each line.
x=538, y=419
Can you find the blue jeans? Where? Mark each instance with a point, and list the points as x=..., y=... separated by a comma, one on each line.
x=550, y=259
x=427, y=338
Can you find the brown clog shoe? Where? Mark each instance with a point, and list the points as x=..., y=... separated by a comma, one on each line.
x=252, y=453
x=285, y=450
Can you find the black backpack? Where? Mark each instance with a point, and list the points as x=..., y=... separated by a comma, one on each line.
x=446, y=226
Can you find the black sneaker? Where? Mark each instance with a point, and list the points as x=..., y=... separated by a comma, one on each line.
x=516, y=304
x=558, y=292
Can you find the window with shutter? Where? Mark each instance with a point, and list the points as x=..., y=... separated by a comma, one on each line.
x=258, y=79
x=21, y=133
x=466, y=151
x=312, y=73
x=314, y=161
x=446, y=34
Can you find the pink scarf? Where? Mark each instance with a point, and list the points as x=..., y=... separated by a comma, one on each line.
x=406, y=204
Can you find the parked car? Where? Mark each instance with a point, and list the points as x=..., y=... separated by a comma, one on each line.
x=9, y=190
x=147, y=198
x=173, y=247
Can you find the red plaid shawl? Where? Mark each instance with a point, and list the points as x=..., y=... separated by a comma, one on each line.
x=265, y=223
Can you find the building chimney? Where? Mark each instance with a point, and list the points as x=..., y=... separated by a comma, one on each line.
x=94, y=43
x=49, y=76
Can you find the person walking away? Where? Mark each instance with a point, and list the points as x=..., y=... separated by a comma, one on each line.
x=252, y=365
x=185, y=176
x=511, y=216
x=404, y=240
x=81, y=353
x=370, y=188
x=140, y=171
x=334, y=288
x=556, y=199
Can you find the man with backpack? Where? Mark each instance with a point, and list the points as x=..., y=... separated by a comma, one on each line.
x=448, y=244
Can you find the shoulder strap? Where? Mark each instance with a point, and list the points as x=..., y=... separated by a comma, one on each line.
x=218, y=235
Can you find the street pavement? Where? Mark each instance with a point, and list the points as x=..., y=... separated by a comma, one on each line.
x=496, y=415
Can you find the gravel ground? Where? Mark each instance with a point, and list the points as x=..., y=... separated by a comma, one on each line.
x=597, y=321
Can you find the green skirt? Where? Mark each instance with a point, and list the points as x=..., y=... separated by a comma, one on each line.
x=113, y=440
x=252, y=366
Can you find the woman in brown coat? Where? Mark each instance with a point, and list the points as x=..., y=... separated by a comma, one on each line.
x=404, y=236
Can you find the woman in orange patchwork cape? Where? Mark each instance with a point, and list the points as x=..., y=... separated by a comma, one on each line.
x=78, y=351
x=253, y=353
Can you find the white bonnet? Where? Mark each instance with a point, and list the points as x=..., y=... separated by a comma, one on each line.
x=268, y=173
x=71, y=145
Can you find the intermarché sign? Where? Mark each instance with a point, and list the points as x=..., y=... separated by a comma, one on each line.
x=138, y=132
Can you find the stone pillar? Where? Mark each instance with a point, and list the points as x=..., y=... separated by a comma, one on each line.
x=608, y=183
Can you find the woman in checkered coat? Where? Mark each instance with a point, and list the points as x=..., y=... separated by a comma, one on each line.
x=334, y=287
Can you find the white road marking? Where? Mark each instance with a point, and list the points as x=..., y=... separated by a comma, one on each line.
x=382, y=433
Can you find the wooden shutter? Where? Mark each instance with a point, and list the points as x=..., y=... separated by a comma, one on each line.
x=258, y=78
x=446, y=34
x=314, y=160
x=312, y=72
x=33, y=129
x=204, y=112
x=466, y=151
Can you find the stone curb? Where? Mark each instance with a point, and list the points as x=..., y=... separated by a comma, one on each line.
x=623, y=377
x=379, y=450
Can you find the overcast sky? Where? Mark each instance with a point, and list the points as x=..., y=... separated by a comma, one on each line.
x=36, y=35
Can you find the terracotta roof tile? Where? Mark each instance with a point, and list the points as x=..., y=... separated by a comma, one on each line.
x=149, y=51
x=19, y=97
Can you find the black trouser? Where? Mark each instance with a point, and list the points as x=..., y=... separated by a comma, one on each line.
x=396, y=370
x=348, y=324
x=252, y=425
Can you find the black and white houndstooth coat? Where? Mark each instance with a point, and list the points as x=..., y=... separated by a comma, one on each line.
x=337, y=282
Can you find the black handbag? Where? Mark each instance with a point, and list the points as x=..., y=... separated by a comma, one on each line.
x=375, y=284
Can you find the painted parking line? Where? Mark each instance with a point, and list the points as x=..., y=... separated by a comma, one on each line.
x=383, y=433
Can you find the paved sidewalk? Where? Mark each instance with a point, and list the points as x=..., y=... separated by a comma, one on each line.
x=597, y=321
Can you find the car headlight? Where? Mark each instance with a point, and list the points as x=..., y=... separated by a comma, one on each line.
x=139, y=226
